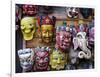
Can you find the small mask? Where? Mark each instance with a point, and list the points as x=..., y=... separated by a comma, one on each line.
x=72, y=12
x=28, y=27
x=26, y=57
x=47, y=28
x=42, y=58
x=63, y=37
x=30, y=10
x=57, y=60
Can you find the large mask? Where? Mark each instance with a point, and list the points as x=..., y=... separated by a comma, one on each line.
x=42, y=58
x=28, y=27
x=81, y=42
x=47, y=28
x=26, y=57
x=63, y=37
x=30, y=10
x=57, y=60
x=72, y=12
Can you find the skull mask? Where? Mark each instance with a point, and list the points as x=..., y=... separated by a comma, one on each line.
x=26, y=57
x=28, y=27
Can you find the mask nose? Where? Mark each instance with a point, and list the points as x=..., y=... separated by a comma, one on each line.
x=47, y=34
x=58, y=61
x=41, y=61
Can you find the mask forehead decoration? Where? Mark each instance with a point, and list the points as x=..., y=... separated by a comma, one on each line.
x=63, y=37
x=28, y=27
x=72, y=12
x=80, y=41
x=30, y=10
x=42, y=58
x=47, y=28
x=26, y=57
x=57, y=60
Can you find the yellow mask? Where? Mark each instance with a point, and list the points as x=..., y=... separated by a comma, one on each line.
x=28, y=27
x=47, y=33
x=57, y=60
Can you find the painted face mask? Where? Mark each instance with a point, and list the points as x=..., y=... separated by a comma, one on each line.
x=72, y=12
x=28, y=27
x=63, y=37
x=30, y=10
x=47, y=28
x=42, y=58
x=80, y=41
x=26, y=57
x=57, y=60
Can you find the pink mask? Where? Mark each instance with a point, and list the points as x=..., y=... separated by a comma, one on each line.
x=41, y=58
x=63, y=38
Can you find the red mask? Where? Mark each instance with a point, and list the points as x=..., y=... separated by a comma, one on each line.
x=41, y=59
x=63, y=38
x=30, y=9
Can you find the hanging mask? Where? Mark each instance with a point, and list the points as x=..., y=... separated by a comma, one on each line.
x=63, y=37
x=30, y=10
x=72, y=12
x=26, y=57
x=47, y=28
x=86, y=12
x=28, y=27
x=57, y=60
x=42, y=58
x=80, y=41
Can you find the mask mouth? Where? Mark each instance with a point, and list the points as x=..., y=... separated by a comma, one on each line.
x=27, y=66
x=42, y=66
x=28, y=31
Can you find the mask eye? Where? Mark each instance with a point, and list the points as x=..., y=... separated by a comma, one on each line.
x=79, y=36
x=46, y=59
x=62, y=58
x=37, y=58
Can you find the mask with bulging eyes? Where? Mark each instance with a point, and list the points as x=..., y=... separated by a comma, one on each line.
x=63, y=38
x=42, y=58
x=28, y=27
x=26, y=57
